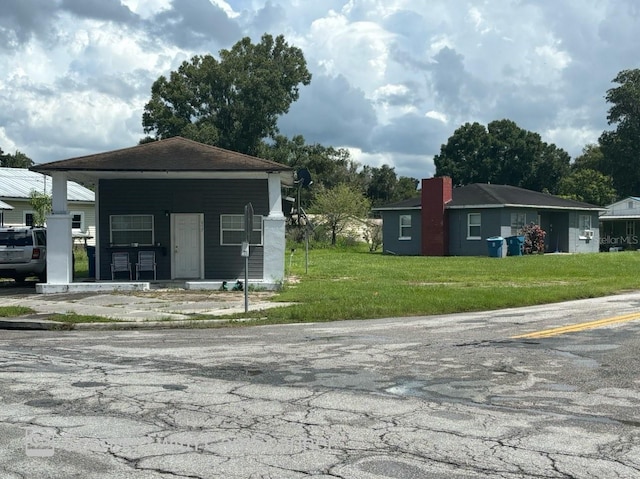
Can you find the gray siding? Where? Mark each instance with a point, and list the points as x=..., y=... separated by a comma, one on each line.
x=210, y=197
x=391, y=232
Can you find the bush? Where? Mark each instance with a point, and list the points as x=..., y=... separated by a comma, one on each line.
x=533, y=239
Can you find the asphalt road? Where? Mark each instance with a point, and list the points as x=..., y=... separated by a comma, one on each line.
x=460, y=396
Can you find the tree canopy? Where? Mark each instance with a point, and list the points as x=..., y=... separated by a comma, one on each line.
x=621, y=147
x=234, y=102
x=331, y=166
x=502, y=153
x=18, y=160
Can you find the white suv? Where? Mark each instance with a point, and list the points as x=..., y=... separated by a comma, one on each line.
x=23, y=253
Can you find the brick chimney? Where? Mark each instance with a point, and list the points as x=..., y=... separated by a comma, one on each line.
x=436, y=193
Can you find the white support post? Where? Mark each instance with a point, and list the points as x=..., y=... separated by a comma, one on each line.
x=274, y=241
x=59, y=238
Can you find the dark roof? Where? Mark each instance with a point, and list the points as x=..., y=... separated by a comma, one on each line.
x=480, y=194
x=411, y=203
x=173, y=154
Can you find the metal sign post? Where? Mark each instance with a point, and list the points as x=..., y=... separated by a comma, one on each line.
x=248, y=228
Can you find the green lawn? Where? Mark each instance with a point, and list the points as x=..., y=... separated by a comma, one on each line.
x=351, y=283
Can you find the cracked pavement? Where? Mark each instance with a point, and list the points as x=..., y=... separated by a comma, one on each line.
x=428, y=397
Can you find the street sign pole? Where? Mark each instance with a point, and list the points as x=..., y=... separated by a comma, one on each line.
x=248, y=228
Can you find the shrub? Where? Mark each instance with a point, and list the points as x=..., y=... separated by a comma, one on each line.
x=533, y=238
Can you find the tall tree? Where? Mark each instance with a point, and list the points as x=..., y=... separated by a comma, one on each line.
x=621, y=147
x=502, y=153
x=18, y=160
x=233, y=102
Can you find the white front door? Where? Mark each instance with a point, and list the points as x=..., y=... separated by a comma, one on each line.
x=187, y=246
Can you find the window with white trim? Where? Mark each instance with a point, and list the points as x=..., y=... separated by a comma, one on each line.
x=28, y=217
x=517, y=223
x=129, y=229
x=232, y=230
x=77, y=220
x=631, y=227
x=405, y=227
x=474, y=226
x=584, y=222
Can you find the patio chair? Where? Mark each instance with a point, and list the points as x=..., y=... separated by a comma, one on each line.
x=146, y=262
x=120, y=264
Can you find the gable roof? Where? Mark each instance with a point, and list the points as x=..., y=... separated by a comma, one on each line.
x=620, y=209
x=480, y=195
x=17, y=183
x=172, y=154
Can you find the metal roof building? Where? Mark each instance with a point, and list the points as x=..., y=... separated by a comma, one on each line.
x=18, y=183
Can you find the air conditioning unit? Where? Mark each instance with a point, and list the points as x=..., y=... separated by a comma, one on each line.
x=588, y=234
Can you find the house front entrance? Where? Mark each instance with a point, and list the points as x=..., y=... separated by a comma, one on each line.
x=187, y=246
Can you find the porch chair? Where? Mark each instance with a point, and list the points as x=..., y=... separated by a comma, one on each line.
x=120, y=264
x=146, y=262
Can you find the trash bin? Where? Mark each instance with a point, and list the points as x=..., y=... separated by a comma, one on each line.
x=91, y=257
x=495, y=244
x=515, y=245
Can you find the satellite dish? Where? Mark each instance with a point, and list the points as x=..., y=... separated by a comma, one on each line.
x=303, y=177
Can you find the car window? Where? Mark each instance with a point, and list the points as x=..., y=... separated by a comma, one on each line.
x=16, y=238
x=41, y=237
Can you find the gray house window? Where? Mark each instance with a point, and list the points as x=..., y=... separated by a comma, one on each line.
x=130, y=229
x=474, y=226
x=232, y=230
x=405, y=227
x=517, y=223
x=585, y=222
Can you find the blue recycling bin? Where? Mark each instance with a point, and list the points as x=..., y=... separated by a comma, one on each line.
x=91, y=257
x=495, y=244
x=515, y=245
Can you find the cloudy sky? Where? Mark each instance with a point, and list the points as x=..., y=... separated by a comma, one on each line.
x=392, y=79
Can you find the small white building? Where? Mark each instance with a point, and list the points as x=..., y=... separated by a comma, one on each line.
x=16, y=185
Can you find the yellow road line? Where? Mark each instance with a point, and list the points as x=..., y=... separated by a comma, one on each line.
x=547, y=333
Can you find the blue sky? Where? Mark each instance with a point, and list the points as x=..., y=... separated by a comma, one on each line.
x=392, y=79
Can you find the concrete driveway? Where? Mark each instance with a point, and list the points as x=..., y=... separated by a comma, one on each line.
x=162, y=303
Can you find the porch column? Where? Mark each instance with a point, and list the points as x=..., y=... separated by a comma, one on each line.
x=59, y=239
x=274, y=241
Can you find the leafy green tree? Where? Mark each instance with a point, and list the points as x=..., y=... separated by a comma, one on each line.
x=590, y=159
x=465, y=155
x=337, y=205
x=589, y=186
x=502, y=153
x=41, y=205
x=621, y=147
x=18, y=160
x=233, y=102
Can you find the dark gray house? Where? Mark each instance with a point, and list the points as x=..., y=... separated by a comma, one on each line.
x=180, y=200
x=458, y=221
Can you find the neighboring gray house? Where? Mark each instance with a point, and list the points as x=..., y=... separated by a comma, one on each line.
x=16, y=185
x=182, y=200
x=458, y=221
x=620, y=225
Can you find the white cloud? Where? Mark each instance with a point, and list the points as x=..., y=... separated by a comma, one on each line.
x=392, y=78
